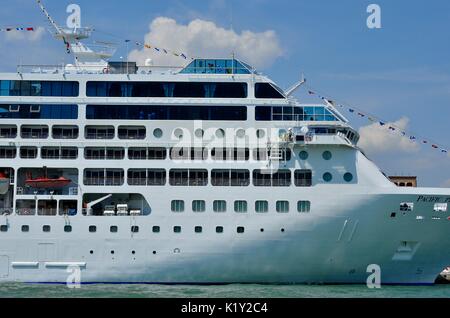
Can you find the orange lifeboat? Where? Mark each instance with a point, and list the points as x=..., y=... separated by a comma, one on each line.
x=46, y=183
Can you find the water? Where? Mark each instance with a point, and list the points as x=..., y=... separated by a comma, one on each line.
x=224, y=291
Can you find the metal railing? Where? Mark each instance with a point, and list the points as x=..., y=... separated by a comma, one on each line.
x=104, y=181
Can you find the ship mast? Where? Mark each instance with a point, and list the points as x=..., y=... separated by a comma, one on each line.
x=86, y=58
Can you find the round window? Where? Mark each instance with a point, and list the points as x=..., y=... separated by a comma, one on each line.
x=327, y=177
x=303, y=155
x=157, y=133
x=240, y=133
x=220, y=133
x=348, y=177
x=327, y=155
x=178, y=133
x=260, y=133
x=199, y=133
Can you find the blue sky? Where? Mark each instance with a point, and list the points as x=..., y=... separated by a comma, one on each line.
x=399, y=71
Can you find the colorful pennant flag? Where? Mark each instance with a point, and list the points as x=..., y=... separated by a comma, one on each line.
x=17, y=29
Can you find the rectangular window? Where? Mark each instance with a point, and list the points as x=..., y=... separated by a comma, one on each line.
x=188, y=177
x=406, y=206
x=220, y=206
x=65, y=132
x=131, y=132
x=164, y=112
x=230, y=154
x=198, y=206
x=100, y=132
x=266, y=90
x=8, y=152
x=39, y=88
x=177, y=206
x=28, y=152
x=267, y=178
x=303, y=178
x=282, y=206
x=234, y=178
x=187, y=153
x=240, y=206
x=156, y=177
x=303, y=206
x=261, y=206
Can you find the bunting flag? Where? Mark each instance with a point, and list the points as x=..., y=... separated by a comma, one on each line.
x=17, y=29
x=382, y=123
x=163, y=50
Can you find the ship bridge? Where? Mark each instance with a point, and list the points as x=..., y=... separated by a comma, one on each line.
x=217, y=66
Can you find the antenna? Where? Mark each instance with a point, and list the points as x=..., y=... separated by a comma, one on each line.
x=294, y=87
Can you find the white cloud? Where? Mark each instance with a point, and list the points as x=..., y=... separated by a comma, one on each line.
x=202, y=38
x=376, y=138
x=35, y=35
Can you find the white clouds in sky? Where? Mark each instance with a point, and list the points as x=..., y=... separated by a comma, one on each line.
x=33, y=36
x=378, y=139
x=201, y=38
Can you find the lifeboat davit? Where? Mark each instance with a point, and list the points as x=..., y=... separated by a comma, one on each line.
x=4, y=183
x=47, y=183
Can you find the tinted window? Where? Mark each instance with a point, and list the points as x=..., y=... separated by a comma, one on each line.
x=39, y=88
x=266, y=90
x=26, y=111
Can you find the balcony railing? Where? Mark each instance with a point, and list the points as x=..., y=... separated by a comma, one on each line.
x=104, y=181
x=99, y=135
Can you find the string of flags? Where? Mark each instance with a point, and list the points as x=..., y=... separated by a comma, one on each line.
x=382, y=123
x=161, y=50
x=17, y=29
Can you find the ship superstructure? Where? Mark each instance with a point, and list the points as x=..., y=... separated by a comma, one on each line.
x=208, y=173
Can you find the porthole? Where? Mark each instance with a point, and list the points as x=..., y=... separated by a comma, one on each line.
x=240, y=229
x=4, y=228
x=303, y=155
x=46, y=228
x=67, y=228
x=134, y=229
x=348, y=177
x=178, y=133
x=25, y=228
x=327, y=155
x=220, y=133
x=91, y=252
x=260, y=133
x=327, y=177
x=157, y=133
x=240, y=133
x=219, y=229
x=112, y=252
x=154, y=252
x=198, y=229
x=92, y=229
x=199, y=133
x=282, y=230
x=133, y=252
x=113, y=229
x=177, y=229
x=156, y=229
x=262, y=230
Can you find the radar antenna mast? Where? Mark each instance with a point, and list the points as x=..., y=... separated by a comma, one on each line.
x=86, y=59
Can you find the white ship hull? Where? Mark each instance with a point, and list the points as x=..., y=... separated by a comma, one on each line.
x=346, y=233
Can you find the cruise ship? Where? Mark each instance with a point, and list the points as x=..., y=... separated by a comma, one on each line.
x=204, y=174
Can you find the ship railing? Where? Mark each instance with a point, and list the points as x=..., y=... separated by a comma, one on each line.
x=99, y=136
x=103, y=181
x=47, y=211
x=27, y=135
x=129, y=136
x=137, y=181
x=11, y=135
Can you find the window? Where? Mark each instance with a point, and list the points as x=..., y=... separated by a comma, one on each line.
x=131, y=132
x=295, y=113
x=67, y=228
x=303, y=178
x=113, y=229
x=25, y=228
x=167, y=89
x=198, y=206
x=8, y=152
x=177, y=229
x=92, y=229
x=8, y=131
x=156, y=229
x=186, y=153
x=220, y=206
x=282, y=206
x=103, y=177
x=406, y=206
x=157, y=133
x=266, y=90
x=303, y=206
x=303, y=155
x=198, y=229
x=27, y=111
x=3, y=228
x=191, y=177
x=327, y=177
x=34, y=132
x=240, y=229
x=100, y=132
x=39, y=88
x=261, y=206
x=219, y=229
x=46, y=228
x=234, y=178
x=134, y=229
x=327, y=155
x=240, y=206
x=262, y=154
x=267, y=178
x=177, y=206
x=65, y=132
x=28, y=152
x=231, y=154
x=164, y=112
x=348, y=177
